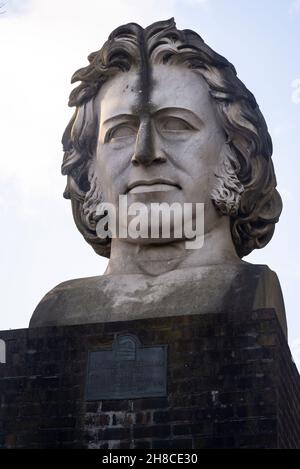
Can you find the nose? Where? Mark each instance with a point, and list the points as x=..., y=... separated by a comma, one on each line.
x=145, y=152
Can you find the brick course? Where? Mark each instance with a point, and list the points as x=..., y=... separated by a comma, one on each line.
x=231, y=384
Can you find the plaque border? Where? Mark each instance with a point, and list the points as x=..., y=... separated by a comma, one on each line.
x=129, y=395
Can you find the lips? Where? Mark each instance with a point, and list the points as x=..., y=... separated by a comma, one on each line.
x=152, y=185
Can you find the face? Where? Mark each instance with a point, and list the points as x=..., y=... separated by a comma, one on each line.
x=161, y=149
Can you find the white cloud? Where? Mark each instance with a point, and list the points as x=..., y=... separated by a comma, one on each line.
x=282, y=129
x=14, y=7
x=294, y=7
x=295, y=350
x=296, y=91
x=204, y=4
x=197, y=2
x=286, y=195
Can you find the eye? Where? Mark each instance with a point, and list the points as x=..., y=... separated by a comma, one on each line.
x=174, y=124
x=122, y=131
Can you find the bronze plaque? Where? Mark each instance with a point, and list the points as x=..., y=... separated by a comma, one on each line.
x=127, y=371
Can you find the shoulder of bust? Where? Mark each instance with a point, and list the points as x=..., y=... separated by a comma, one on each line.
x=267, y=290
x=67, y=298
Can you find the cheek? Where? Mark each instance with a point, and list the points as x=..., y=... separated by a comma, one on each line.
x=198, y=157
x=209, y=146
x=213, y=147
x=111, y=166
x=201, y=156
x=202, y=151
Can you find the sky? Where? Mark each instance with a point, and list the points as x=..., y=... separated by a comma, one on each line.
x=42, y=42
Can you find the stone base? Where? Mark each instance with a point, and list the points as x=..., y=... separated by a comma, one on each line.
x=231, y=383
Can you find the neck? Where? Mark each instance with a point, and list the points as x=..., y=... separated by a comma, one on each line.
x=154, y=259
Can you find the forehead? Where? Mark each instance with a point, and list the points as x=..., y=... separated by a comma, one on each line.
x=170, y=86
x=180, y=87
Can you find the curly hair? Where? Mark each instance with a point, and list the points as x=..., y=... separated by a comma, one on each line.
x=246, y=187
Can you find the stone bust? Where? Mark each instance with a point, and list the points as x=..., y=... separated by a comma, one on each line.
x=162, y=117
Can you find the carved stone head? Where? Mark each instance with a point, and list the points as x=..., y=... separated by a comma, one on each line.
x=132, y=66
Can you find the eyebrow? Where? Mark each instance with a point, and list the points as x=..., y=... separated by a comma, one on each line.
x=155, y=112
x=174, y=110
x=119, y=117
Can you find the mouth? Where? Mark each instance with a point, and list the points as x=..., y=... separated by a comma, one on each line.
x=152, y=185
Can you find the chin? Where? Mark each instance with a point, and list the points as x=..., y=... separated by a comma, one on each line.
x=153, y=241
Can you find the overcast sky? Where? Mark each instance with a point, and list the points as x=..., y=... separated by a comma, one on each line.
x=42, y=42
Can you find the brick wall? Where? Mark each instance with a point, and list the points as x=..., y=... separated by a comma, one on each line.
x=231, y=383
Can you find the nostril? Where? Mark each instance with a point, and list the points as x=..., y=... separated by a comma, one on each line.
x=134, y=161
x=147, y=159
x=160, y=159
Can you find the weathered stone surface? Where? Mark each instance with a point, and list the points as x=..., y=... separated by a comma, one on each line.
x=231, y=383
x=163, y=119
x=208, y=290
